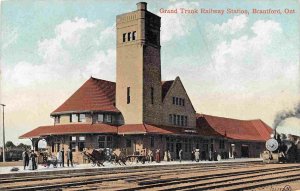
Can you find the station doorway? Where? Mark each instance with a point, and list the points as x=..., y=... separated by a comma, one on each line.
x=245, y=151
x=178, y=147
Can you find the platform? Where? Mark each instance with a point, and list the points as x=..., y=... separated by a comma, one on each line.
x=6, y=171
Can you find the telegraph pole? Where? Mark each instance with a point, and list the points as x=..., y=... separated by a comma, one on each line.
x=3, y=134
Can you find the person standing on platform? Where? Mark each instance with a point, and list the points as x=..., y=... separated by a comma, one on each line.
x=62, y=157
x=33, y=160
x=150, y=155
x=180, y=155
x=69, y=157
x=169, y=156
x=25, y=158
x=197, y=155
x=210, y=155
x=193, y=155
x=59, y=158
x=157, y=156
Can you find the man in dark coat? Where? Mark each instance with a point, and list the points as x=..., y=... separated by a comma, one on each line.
x=69, y=157
x=25, y=157
x=63, y=157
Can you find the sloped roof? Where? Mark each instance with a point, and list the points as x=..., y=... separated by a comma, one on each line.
x=165, y=86
x=70, y=129
x=251, y=130
x=155, y=129
x=93, y=95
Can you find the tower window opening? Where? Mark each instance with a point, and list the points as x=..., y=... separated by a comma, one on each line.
x=129, y=36
x=124, y=37
x=133, y=35
x=152, y=95
x=128, y=95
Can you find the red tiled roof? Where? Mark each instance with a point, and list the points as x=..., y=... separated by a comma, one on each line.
x=93, y=95
x=165, y=86
x=154, y=129
x=70, y=129
x=252, y=130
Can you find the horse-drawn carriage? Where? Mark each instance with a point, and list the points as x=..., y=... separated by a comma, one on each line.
x=99, y=156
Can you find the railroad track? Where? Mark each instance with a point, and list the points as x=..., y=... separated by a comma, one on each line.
x=187, y=177
x=145, y=169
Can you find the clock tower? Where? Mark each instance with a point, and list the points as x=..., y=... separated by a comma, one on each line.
x=138, y=89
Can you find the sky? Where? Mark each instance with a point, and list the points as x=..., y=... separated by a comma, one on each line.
x=243, y=66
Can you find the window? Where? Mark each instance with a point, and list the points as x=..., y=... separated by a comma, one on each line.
x=129, y=36
x=108, y=118
x=174, y=119
x=170, y=119
x=124, y=37
x=133, y=35
x=177, y=101
x=185, y=121
x=178, y=120
x=52, y=147
x=57, y=147
x=74, y=118
x=105, y=141
x=182, y=120
x=222, y=144
x=152, y=141
x=174, y=100
x=128, y=95
x=82, y=138
x=73, y=146
x=109, y=142
x=128, y=142
x=73, y=138
x=100, y=118
x=152, y=95
x=57, y=119
x=101, y=141
x=183, y=102
x=81, y=117
x=80, y=146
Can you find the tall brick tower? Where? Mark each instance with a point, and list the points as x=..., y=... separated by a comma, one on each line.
x=138, y=91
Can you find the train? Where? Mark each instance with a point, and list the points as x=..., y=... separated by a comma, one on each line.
x=288, y=150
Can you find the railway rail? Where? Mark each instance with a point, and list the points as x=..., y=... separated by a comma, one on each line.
x=223, y=176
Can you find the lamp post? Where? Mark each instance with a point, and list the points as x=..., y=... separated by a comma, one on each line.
x=3, y=134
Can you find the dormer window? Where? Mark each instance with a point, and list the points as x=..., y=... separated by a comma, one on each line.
x=57, y=119
x=81, y=117
x=74, y=118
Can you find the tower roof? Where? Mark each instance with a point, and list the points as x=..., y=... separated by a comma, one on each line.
x=94, y=95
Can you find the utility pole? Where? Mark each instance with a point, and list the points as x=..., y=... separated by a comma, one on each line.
x=3, y=134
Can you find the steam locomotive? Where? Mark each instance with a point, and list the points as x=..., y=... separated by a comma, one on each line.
x=288, y=150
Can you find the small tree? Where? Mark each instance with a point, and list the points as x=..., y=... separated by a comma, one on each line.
x=10, y=145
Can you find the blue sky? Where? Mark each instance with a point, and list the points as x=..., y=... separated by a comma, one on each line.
x=232, y=65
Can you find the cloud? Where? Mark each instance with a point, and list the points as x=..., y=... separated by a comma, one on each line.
x=70, y=31
x=177, y=25
x=250, y=56
x=79, y=49
x=232, y=26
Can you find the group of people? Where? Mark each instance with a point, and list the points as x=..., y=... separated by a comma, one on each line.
x=29, y=159
x=60, y=156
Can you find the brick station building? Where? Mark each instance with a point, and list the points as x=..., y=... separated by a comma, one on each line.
x=140, y=111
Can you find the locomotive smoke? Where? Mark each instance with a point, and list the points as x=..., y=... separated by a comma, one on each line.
x=283, y=115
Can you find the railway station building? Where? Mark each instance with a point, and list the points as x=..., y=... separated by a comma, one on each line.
x=140, y=112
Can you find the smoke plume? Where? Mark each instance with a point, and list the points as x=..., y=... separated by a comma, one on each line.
x=283, y=115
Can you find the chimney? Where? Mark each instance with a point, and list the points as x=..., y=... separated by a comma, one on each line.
x=141, y=6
